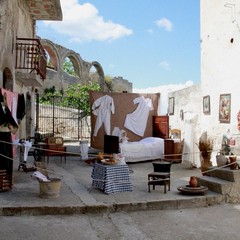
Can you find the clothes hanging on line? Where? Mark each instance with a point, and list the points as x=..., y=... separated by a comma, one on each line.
x=137, y=120
x=102, y=108
x=6, y=161
x=21, y=111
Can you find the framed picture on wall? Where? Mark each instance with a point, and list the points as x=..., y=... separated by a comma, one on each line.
x=225, y=108
x=206, y=104
x=171, y=105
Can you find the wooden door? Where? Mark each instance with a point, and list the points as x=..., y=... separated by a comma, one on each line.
x=161, y=126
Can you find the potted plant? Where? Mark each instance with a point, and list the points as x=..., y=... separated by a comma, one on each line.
x=205, y=146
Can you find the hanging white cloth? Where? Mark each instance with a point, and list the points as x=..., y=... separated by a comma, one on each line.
x=102, y=108
x=26, y=144
x=120, y=133
x=190, y=157
x=137, y=120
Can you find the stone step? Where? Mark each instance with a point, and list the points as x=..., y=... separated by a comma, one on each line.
x=224, y=173
x=215, y=184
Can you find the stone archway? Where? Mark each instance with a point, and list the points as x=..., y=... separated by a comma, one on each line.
x=100, y=73
x=51, y=49
x=55, y=74
x=76, y=62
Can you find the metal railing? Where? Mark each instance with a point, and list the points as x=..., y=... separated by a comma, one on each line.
x=66, y=122
x=30, y=55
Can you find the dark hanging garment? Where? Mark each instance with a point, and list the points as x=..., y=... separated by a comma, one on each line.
x=2, y=115
x=9, y=118
x=1, y=96
x=21, y=111
x=6, y=154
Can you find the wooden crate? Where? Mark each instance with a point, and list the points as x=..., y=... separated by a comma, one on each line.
x=6, y=181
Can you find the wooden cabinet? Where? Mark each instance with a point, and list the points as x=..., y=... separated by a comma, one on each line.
x=168, y=148
x=161, y=126
x=173, y=150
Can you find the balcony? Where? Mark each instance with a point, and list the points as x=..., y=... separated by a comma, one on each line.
x=31, y=60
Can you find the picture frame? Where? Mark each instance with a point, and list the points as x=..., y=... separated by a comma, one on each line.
x=224, y=108
x=171, y=105
x=206, y=104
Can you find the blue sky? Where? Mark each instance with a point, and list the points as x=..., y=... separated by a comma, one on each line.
x=148, y=42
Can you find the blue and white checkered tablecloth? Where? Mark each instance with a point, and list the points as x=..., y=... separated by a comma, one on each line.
x=111, y=178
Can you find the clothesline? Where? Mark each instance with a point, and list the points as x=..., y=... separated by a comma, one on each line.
x=62, y=175
x=78, y=154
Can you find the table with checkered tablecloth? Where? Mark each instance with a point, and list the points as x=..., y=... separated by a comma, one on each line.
x=111, y=178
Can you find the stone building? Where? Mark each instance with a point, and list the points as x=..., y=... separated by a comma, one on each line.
x=202, y=104
x=22, y=58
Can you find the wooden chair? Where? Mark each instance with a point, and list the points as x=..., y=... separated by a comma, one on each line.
x=175, y=133
x=178, y=144
x=55, y=147
x=160, y=176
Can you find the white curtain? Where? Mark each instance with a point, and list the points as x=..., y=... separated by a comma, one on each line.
x=190, y=157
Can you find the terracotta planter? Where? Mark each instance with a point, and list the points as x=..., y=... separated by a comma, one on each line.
x=233, y=160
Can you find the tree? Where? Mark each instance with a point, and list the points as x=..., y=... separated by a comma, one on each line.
x=78, y=96
x=48, y=94
x=69, y=68
x=75, y=96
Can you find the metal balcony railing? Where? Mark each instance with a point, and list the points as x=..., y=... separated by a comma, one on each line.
x=30, y=55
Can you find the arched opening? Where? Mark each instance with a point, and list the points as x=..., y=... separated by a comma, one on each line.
x=7, y=79
x=70, y=66
x=52, y=62
x=96, y=72
x=94, y=75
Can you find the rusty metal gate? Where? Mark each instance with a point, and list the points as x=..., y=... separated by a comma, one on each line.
x=66, y=122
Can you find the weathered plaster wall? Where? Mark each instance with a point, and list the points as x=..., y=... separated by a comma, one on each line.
x=220, y=71
x=15, y=22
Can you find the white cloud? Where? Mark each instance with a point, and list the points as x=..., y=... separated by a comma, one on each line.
x=165, y=23
x=163, y=90
x=165, y=65
x=82, y=22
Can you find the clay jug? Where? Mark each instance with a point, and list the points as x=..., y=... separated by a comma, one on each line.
x=193, y=182
x=233, y=160
x=221, y=160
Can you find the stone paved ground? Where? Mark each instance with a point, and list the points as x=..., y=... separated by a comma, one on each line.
x=78, y=195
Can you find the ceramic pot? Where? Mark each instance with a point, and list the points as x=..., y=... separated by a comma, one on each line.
x=193, y=182
x=233, y=160
x=221, y=160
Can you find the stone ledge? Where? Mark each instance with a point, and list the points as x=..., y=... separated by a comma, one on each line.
x=215, y=184
x=225, y=174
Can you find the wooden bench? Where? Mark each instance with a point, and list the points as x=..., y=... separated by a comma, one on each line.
x=55, y=147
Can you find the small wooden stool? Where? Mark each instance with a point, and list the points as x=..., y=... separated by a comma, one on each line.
x=159, y=178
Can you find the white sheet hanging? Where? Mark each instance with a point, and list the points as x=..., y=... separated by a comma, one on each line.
x=137, y=120
x=190, y=157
